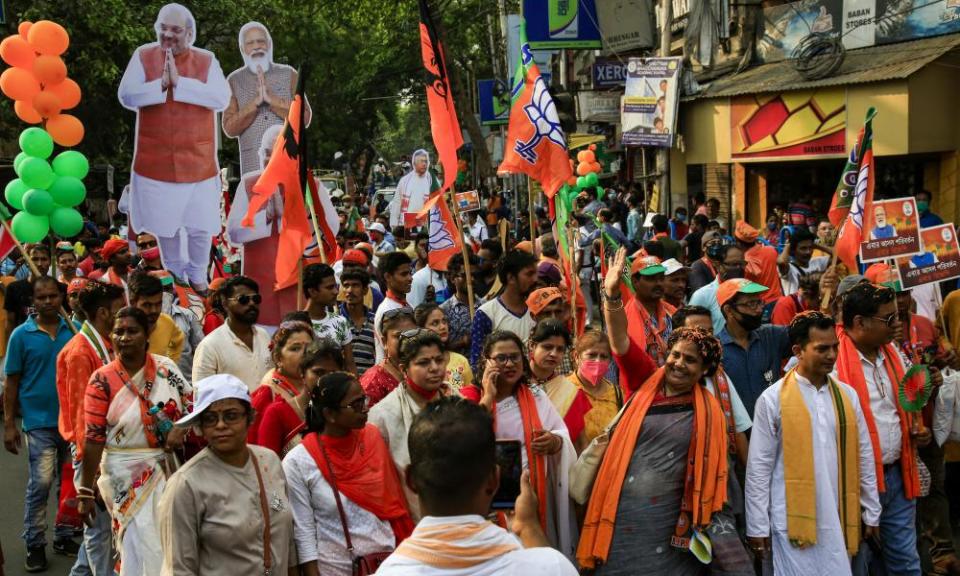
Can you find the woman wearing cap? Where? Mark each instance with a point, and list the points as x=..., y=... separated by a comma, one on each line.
x=226, y=507
x=283, y=420
x=285, y=380
x=130, y=406
x=423, y=362
x=343, y=483
x=431, y=317
x=524, y=413
x=548, y=344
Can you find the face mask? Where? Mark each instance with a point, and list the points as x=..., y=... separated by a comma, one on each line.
x=771, y=226
x=731, y=272
x=681, y=217
x=715, y=251
x=593, y=370
x=923, y=206
x=750, y=322
x=150, y=253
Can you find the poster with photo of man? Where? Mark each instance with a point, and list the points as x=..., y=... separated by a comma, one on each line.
x=939, y=259
x=893, y=230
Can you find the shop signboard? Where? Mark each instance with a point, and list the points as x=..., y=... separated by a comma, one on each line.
x=555, y=24
x=649, y=109
x=798, y=124
x=626, y=24
x=494, y=100
x=893, y=230
x=939, y=260
x=597, y=106
x=609, y=73
x=541, y=57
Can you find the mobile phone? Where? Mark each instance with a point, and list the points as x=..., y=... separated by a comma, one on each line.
x=510, y=461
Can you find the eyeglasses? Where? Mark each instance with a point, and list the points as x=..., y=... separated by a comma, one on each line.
x=889, y=320
x=359, y=405
x=247, y=298
x=504, y=359
x=752, y=305
x=211, y=419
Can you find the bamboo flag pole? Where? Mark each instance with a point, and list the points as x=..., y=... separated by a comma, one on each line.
x=300, y=282
x=463, y=250
x=34, y=270
x=574, y=279
x=533, y=217
x=825, y=297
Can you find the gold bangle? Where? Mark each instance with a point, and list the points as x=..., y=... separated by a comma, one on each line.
x=610, y=309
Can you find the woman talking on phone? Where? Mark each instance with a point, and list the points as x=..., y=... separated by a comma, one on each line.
x=523, y=412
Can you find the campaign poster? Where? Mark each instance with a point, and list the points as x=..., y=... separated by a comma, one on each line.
x=468, y=201
x=649, y=109
x=892, y=230
x=494, y=101
x=939, y=260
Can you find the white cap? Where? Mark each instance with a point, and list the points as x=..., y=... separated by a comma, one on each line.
x=672, y=265
x=336, y=193
x=377, y=227
x=211, y=389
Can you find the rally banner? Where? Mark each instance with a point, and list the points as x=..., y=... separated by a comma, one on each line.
x=893, y=230
x=649, y=110
x=468, y=201
x=939, y=260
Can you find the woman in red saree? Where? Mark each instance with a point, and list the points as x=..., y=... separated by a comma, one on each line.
x=285, y=380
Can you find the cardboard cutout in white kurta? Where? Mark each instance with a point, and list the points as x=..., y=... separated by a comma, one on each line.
x=412, y=191
x=176, y=90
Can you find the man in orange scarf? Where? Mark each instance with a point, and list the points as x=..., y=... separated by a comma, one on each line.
x=871, y=364
x=648, y=316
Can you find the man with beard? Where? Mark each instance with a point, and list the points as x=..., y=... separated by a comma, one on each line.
x=116, y=253
x=239, y=346
x=176, y=90
x=486, y=284
x=508, y=311
x=752, y=354
x=675, y=283
x=729, y=266
x=261, y=94
x=412, y=192
x=165, y=338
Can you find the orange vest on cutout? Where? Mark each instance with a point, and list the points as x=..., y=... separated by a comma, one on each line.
x=175, y=140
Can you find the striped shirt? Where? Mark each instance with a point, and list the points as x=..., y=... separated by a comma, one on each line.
x=364, y=341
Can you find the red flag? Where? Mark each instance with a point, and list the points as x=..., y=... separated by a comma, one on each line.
x=850, y=234
x=283, y=172
x=535, y=142
x=7, y=243
x=447, y=137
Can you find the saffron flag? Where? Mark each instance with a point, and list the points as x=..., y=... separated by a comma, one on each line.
x=447, y=137
x=860, y=200
x=445, y=238
x=843, y=197
x=535, y=145
x=284, y=172
x=327, y=222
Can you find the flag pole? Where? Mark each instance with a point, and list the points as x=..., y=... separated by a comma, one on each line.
x=533, y=216
x=463, y=250
x=300, y=283
x=574, y=278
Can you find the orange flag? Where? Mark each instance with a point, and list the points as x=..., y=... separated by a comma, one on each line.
x=445, y=239
x=859, y=200
x=444, y=126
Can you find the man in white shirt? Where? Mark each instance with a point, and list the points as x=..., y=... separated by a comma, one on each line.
x=477, y=228
x=453, y=469
x=424, y=279
x=797, y=260
x=395, y=269
x=832, y=446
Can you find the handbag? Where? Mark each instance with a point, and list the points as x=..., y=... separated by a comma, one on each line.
x=362, y=565
x=584, y=471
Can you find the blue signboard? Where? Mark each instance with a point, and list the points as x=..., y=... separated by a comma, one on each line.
x=494, y=97
x=562, y=24
x=609, y=73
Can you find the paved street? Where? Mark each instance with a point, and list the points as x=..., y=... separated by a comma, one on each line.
x=13, y=482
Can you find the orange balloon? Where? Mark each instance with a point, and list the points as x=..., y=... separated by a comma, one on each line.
x=47, y=104
x=583, y=169
x=588, y=155
x=48, y=38
x=66, y=129
x=595, y=167
x=24, y=28
x=572, y=181
x=68, y=92
x=26, y=112
x=581, y=156
x=50, y=70
x=16, y=51
x=592, y=147
x=19, y=84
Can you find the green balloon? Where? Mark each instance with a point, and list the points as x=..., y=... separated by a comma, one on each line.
x=581, y=182
x=14, y=192
x=592, y=179
x=30, y=228
x=36, y=142
x=21, y=156
x=66, y=222
x=71, y=163
x=68, y=191
x=36, y=173
x=38, y=202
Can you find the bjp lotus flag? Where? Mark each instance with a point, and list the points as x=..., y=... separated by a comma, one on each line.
x=860, y=201
x=535, y=142
x=843, y=197
x=445, y=239
x=444, y=126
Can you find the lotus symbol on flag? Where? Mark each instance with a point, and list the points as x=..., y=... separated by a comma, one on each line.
x=543, y=115
x=440, y=237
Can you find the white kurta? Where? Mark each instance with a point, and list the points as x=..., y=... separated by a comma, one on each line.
x=159, y=207
x=393, y=417
x=412, y=192
x=318, y=531
x=766, y=503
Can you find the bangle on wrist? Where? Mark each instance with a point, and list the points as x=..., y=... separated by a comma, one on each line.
x=617, y=298
x=84, y=490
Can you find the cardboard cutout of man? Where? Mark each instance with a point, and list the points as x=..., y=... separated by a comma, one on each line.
x=261, y=94
x=176, y=90
x=412, y=191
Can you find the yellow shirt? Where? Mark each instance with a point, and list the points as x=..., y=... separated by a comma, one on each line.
x=605, y=407
x=459, y=373
x=166, y=339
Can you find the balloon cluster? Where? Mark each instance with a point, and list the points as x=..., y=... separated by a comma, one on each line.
x=587, y=169
x=45, y=192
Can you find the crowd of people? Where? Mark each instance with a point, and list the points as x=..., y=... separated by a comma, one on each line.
x=689, y=395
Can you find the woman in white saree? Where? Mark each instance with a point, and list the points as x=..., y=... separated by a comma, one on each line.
x=130, y=406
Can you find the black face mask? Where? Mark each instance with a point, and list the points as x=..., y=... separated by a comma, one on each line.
x=749, y=321
x=715, y=251
x=731, y=272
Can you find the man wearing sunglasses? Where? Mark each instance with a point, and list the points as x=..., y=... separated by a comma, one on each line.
x=870, y=363
x=239, y=346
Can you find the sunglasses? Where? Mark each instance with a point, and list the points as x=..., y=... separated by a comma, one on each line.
x=396, y=312
x=413, y=334
x=211, y=419
x=888, y=320
x=246, y=299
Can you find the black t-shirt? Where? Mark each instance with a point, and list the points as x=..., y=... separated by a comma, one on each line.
x=19, y=299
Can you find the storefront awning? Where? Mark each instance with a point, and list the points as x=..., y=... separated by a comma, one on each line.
x=873, y=64
x=579, y=140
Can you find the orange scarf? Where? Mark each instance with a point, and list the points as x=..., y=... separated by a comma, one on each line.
x=850, y=371
x=536, y=462
x=705, y=489
x=365, y=474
